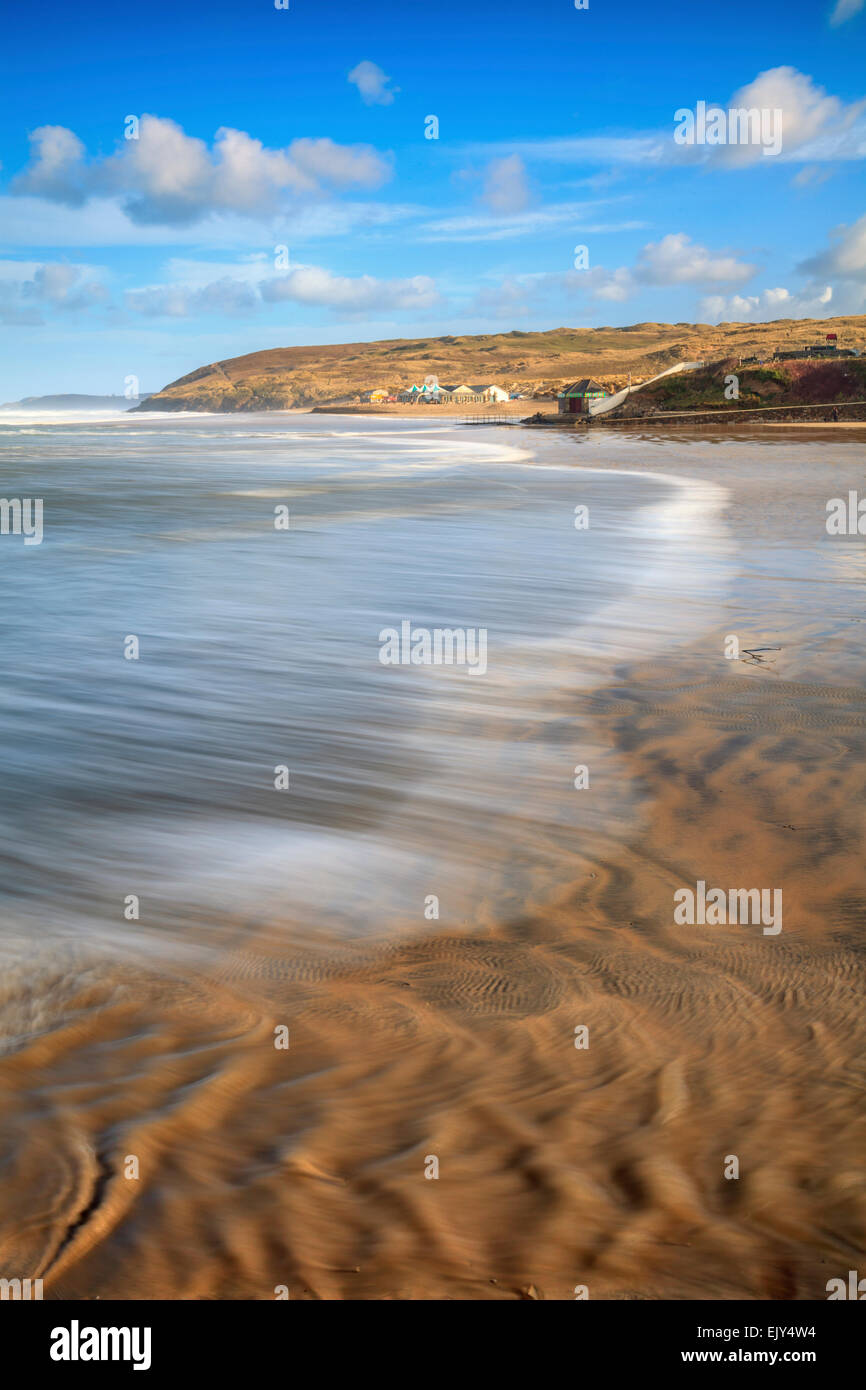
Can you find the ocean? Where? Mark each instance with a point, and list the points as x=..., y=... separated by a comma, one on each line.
x=256, y=560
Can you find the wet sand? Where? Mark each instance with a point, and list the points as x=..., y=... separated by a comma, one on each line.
x=601, y=1167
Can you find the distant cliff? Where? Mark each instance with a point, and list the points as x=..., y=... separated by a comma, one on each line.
x=72, y=401
x=532, y=363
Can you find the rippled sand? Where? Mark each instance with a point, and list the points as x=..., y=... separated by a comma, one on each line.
x=604, y=1167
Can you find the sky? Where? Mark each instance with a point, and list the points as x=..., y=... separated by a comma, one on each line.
x=183, y=183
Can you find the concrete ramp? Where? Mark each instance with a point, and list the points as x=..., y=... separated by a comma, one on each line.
x=601, y=407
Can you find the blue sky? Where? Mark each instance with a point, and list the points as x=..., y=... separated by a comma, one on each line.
x=305, y=128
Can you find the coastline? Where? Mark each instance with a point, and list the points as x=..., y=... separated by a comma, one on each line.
x=516, y=413
x=431, y=413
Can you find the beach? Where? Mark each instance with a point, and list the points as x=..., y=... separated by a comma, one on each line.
x=425, y=1027
x=426, y=415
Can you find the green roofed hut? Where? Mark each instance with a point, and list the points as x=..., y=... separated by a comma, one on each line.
x=575, y=399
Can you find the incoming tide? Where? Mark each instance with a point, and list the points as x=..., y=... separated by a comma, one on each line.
x=258, y=759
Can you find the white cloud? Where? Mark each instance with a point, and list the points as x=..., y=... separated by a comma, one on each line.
x=57, y=157
x=845, y=9
x=846, y=258
x=372, y=84
x=313, y=285
x=780, y=303
x=612, y=285
x=676, y=260
x=324, y=162
x=167, y=177
x=27, y=288
x=224, y=296
x=843, y=262
x=810, y=118
x=242, y=290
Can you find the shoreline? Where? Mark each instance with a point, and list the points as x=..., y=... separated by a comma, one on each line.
x=507, y=410
x=495, y=415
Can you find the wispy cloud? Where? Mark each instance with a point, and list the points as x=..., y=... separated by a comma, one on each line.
x=647, y=148
x=506, y=187
x=372, y=84
x=845, y=257
x=209, y=288
x=31, y=221
x=810, y=176
x=845, y=9
x=582, y=218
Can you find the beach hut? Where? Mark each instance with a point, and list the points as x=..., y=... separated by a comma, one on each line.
x=461, y=395
x=574, y=399
x=378, y=395
x=434, y=393
x=494, y=394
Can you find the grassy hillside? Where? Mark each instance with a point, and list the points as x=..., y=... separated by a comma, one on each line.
x=776, y=384
x=534, y=363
